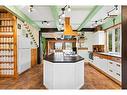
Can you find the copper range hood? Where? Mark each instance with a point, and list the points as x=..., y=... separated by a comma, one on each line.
x=68, y=29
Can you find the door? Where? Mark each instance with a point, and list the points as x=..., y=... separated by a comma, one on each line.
x=33, y=57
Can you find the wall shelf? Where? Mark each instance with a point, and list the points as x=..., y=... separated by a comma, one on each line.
x=6, y=55
x=6, y=62
x=8, y=44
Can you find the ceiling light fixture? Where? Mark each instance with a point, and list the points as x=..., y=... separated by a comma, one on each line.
x=69, y=8
x=63, y=12
x=116, y=7
x=46, y=22
x=31, y=8
x=117, y=10
x=109, y=15
x=62, y=15
x=60, y=19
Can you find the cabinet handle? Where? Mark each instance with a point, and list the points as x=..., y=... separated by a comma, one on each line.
x=118, y=74
x=110, y=70
x=118, y=65
x=110, y=62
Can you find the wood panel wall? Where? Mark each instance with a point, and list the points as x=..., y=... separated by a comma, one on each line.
x=124, y=47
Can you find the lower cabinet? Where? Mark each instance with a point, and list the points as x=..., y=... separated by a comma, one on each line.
x=63, y=75
x=104, y=65
x=83, y=53
x=100, y=63
x=112, y=68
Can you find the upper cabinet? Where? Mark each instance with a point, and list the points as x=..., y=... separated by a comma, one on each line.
x=99, y=38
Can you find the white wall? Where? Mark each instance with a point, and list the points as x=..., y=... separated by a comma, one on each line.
x=23, y=49
x=89, y=42
x=94, y=38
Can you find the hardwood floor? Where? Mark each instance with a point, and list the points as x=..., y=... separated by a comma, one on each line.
x=96, y=80
x=32, y=79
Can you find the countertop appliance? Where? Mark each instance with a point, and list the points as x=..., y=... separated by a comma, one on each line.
x=91, y=55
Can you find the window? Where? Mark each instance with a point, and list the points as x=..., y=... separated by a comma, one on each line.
x=117, y=40
x=68, y=46
x=58, y=46
x=114, y=40
x=110, y=41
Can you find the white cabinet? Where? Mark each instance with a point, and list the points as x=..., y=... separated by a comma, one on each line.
x=83, y=53
x=63, y=75
x=96, y=61
x=99, y=38
x=103, y=64
x=79, y=73
x=110, y=67
x=23, y=42
x=100, y=63
x=24, y=54
x=48, y=74
x=24, y=60
x=114, y=70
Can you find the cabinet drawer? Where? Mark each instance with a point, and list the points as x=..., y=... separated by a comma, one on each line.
x=111, y=64
x=115, y=74
x=111, y=72
x=118, y=75
x=104, y=65
x=117, y=67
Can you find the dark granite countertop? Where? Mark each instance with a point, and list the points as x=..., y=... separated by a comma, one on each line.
x=57, y=58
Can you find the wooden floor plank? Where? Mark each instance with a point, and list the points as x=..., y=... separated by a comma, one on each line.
x=96, y=80
x=32, y=79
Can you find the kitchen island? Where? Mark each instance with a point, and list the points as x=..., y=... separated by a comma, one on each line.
x=63, y=71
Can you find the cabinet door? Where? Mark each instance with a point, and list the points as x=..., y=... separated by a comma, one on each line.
x=111, y=64
x=83, y=53
x=111, y=72
x=95, y=62
x=24, y=60
x=64, y=76
x=103, y=65
x=20, y=60
x=114, y=69
x=33, y=57
x=23, y=42
x=117, y=66
x=118, y=75
x=79, y=73
x=99, y=63
x=48, y=74
x=117, y=69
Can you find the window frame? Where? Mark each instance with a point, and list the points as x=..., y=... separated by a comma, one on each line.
x=113, y=39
